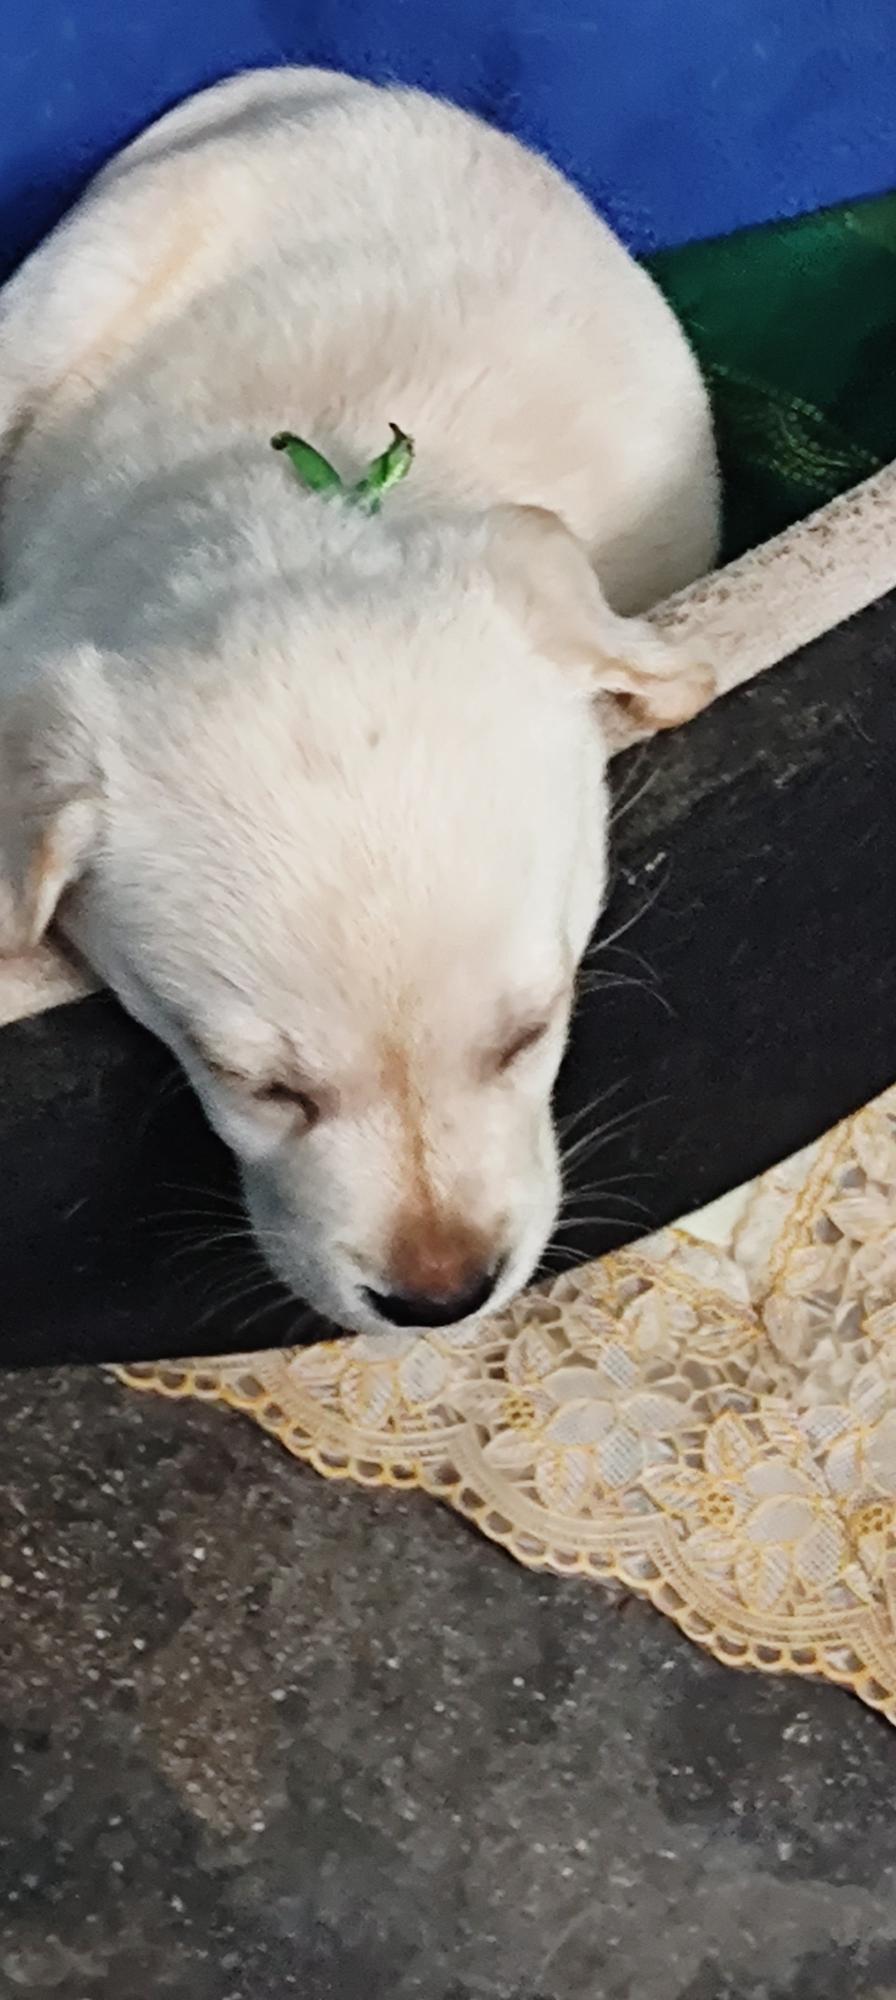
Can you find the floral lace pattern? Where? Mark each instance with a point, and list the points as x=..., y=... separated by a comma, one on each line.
x=714, y=1428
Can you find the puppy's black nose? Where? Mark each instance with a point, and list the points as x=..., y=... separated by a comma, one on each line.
x=423, y=1309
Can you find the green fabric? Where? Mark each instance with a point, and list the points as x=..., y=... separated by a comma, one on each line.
x=795, y=328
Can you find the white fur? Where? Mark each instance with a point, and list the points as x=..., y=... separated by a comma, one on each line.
x=324, y=794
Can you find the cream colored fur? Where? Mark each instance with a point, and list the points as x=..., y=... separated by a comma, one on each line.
x=323, y=796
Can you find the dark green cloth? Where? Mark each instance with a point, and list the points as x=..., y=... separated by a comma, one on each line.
x=795, y=328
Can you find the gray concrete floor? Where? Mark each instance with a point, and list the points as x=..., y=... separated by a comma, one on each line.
x=263, y=1736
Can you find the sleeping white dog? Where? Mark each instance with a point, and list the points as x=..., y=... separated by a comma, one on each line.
x=321, y=792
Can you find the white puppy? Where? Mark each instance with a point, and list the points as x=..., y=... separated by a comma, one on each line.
x=322, y=794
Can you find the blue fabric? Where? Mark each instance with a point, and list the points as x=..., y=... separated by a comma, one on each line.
x=680, y=118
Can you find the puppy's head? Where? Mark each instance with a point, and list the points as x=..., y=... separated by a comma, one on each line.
x=341, y=843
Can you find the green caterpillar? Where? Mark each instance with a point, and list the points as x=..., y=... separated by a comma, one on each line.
x=317, y=474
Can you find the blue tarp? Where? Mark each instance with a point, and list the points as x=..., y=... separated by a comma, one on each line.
x=680, y=118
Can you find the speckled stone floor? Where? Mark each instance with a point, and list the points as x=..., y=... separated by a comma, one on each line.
x=263, y=1736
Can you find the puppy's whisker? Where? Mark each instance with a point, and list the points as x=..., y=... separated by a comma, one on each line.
x=581, y=1190
x=581, y=1217
x=622, y=930
x=264, y=1313
x=589, y=1147
x=248, y=1266
x=607, y=982
x=203, y=1207
x=574, y=1118
x=231, y=1273
x=599, y=945
x=582, y=1148
x=633, y=798
x=607, y=1194
x=623, y=785
x=198, y=1246
x=238, y=1296
x=202, y=1234
x=169, y=1088
x=567, y=1256
x=600, y=979
x=560, y=1261
x=584, y=1218
x=252, y=1278
x=178, y=1218
x=220, y=1197
x=222, y=1224
x=604, y=1186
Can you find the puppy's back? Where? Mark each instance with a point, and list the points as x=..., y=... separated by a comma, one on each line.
x=298, y=248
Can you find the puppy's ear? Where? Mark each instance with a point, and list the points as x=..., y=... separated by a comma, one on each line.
x=544, y=572
x=49, y=814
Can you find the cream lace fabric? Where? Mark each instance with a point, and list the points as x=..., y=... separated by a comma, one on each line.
x=712, y=1426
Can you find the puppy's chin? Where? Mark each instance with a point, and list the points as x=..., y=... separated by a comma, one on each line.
x=309, y=1276
x=527, y=1255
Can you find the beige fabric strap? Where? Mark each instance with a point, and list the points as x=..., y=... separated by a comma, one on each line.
x=786, y=593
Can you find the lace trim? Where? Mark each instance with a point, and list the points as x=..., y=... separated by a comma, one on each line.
x=713, y=1428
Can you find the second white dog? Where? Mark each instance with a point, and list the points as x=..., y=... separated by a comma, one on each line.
x=321, y=795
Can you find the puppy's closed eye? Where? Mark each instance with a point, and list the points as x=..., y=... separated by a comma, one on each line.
x=277, y=1092
x=287, y=1097
x=525, y=1029
x=520, y=1044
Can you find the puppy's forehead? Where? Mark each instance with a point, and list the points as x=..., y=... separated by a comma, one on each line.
x=349, y=809
x=377, y=730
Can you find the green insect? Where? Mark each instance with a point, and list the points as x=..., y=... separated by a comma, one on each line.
x=319, y=476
